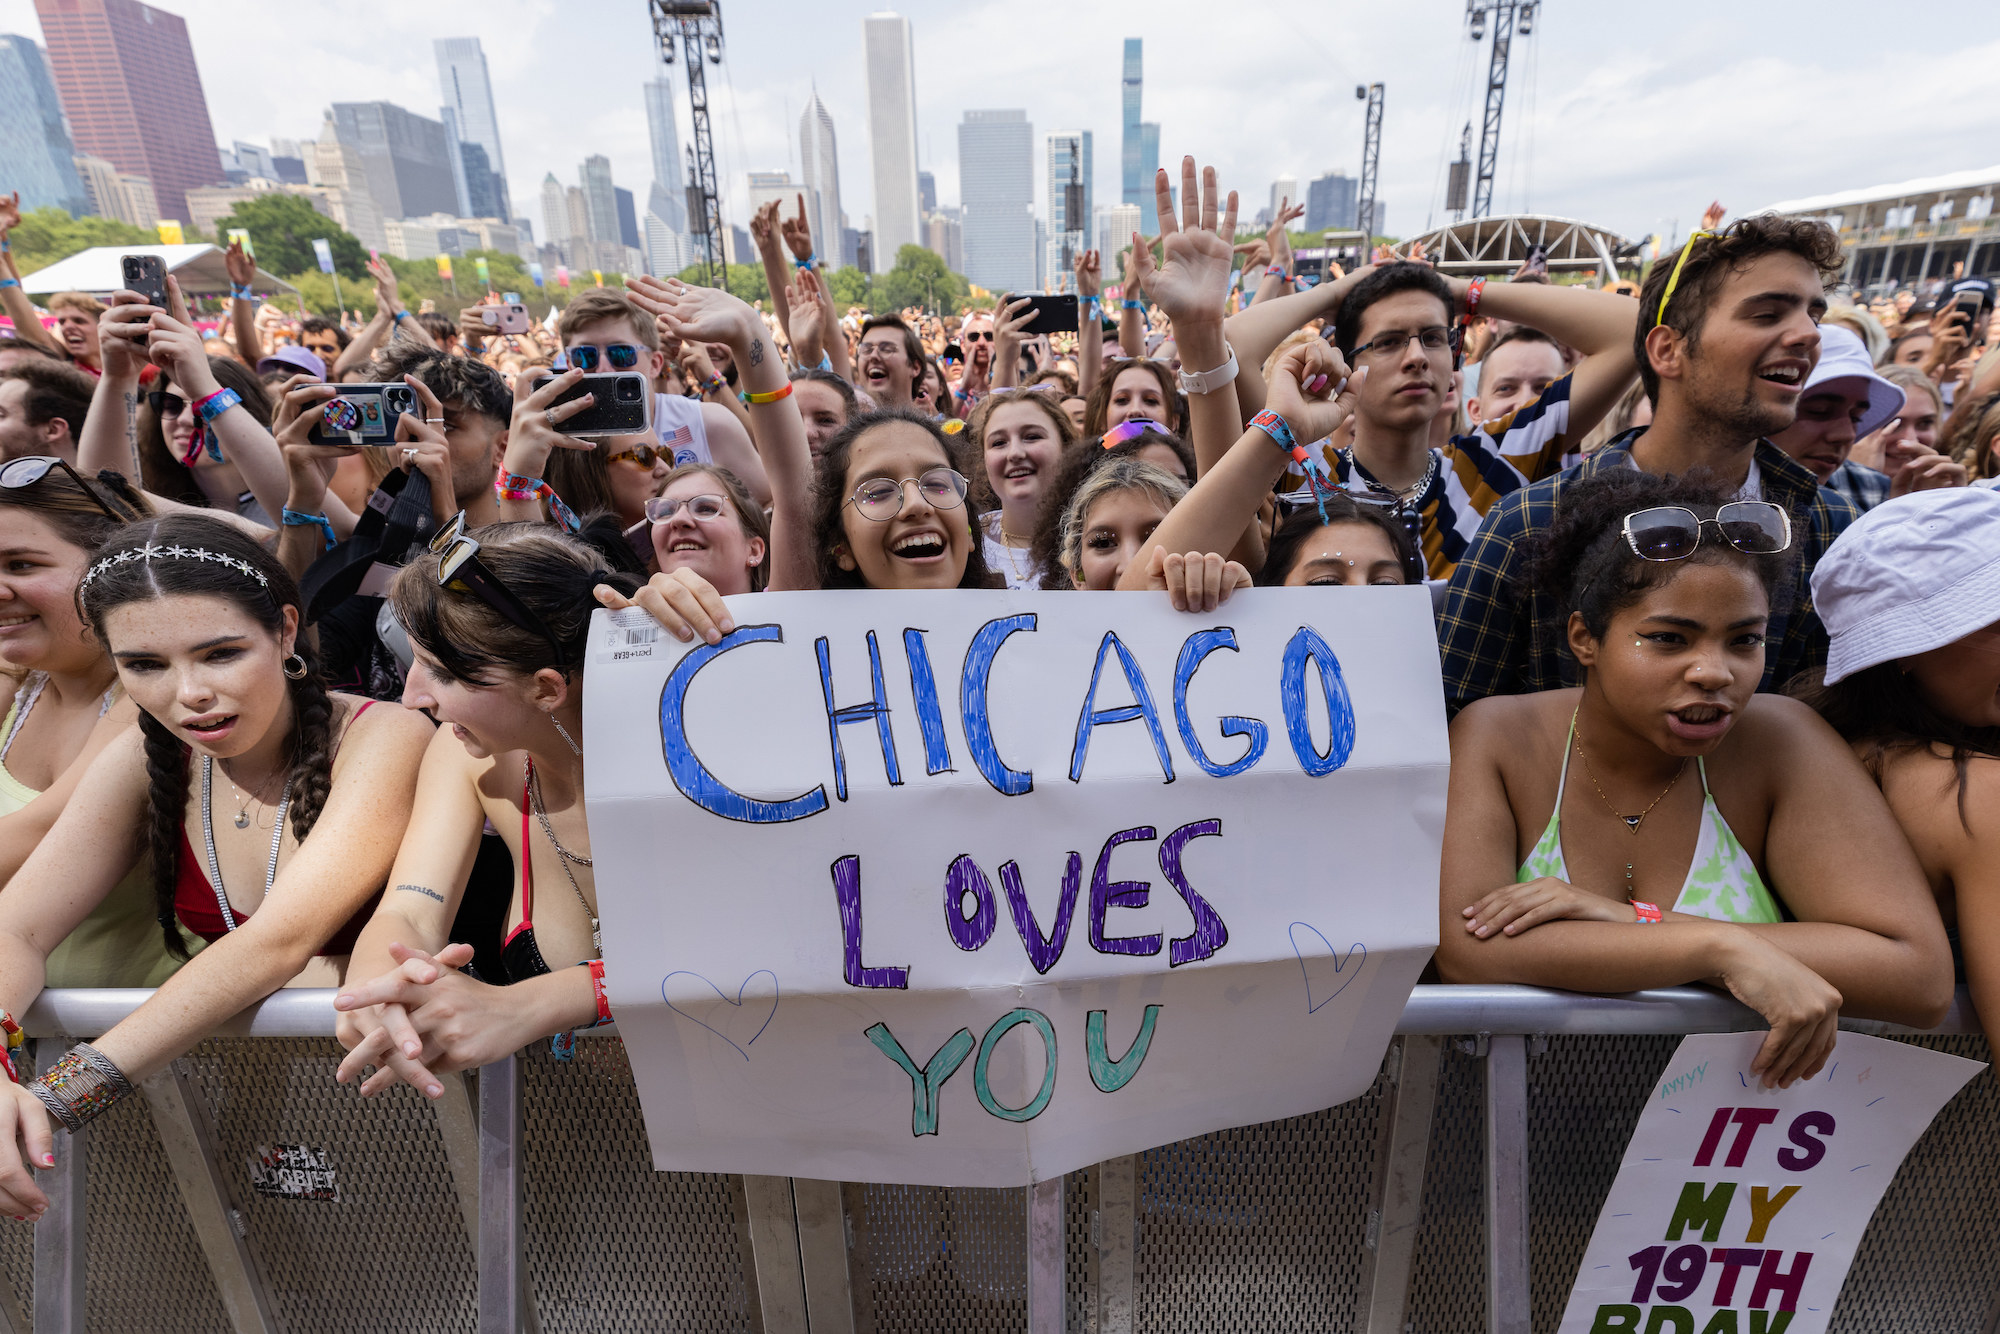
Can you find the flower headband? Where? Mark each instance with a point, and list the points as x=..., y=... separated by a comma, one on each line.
x=152, y=551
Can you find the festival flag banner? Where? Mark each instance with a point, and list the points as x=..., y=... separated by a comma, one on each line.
x=597, y=276
x=485, y=272
x=323, y=252
x=444, y=268
x=1737, y=1209
x=562, y=277
x=976, y=889
x=535, y=273
x=169, y=232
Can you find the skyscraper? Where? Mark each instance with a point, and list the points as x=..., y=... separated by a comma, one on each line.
x=468, y=93
x=34, y=142
x=1114, y=233
x=1069, y=162
x=996, y=184
x=1283, y=189
x=555, y=211
x=600, y=205
x=1330, y=202
x=628, y=218
x=341, y=175
x=128, y=83
x=120, y=196
x=668, y=197
x=819, y=170
x=1139, y=150
x=407, y=157
x=892, y=133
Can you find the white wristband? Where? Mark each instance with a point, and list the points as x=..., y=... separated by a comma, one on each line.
x=1207, y=382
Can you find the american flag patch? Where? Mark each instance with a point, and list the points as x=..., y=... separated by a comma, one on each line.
x=671, y=436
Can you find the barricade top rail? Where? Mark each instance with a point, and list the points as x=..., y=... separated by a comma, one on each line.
x=1431, y=1011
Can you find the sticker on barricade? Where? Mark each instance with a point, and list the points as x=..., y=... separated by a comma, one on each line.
x=974, y=889
x=293, y=1172
x=1737, y=1209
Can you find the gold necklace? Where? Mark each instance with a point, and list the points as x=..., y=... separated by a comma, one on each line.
x=1007, y=541
x=1632, y=822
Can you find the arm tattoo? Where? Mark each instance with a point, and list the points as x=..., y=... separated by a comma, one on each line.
x=423, y=890
x=756, y=352
x=132, y=435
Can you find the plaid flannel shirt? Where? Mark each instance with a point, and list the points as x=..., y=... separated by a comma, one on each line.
x=1865, y=487
x=1498, y=637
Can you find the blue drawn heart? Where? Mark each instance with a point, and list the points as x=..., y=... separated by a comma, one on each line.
x=1339, y=964
x=737, y=1002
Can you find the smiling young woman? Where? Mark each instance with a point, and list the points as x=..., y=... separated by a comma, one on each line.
x=1023, y=435
x=1698, y=807
x=298, y=799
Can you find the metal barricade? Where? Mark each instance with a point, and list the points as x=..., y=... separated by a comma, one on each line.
x=1456, y=1195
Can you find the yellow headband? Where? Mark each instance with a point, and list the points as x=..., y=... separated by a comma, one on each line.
x=1674, y=280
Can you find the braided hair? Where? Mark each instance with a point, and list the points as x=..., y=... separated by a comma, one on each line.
x=239, y=571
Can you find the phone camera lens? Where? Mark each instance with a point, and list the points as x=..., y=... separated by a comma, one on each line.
x=628, y=391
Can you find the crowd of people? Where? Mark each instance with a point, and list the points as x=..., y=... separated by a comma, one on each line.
x=1712, y=516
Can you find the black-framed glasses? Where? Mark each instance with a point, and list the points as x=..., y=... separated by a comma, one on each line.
x=881, y=498
x=1671, y=532
x=703, y=508
x=165, y=403
x=620, y=356
x=32, y=468
x=461, y=570
x=1433, y=338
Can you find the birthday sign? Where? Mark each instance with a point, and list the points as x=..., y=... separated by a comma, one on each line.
x=974, y=889
x=1738, y=1209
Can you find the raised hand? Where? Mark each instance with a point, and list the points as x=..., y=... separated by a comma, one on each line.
x=1713, y=215
x=797, y=234
x=699, y=314
x=126, y=320
x=1191, y=281
x=10, y=212
x=242, y=268
x=764, y=227
x=806, y=322
x=1309, y=386
x=1089, y=274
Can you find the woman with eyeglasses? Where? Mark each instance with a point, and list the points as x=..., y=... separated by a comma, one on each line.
x=1662, y=824
x=267, y=810
x=498, y=618
x=67, y=706
x=704, y=521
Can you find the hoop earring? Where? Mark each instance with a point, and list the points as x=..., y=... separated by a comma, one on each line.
x=573, y=747
x=295, y=667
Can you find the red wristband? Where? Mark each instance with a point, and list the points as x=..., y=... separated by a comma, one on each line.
x=1473, y=291
x=1648, y=912
x=597, y=989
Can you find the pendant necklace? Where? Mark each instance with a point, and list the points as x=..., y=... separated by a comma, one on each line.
x=563, y=855
x=242, y=817
x=1632, y=822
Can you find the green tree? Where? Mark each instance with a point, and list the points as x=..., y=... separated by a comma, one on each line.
x=47, y=235
x=745, y=280
x=920, y=279
x=282, y=229
x=848, y=287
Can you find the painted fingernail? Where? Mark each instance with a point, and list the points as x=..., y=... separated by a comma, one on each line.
x=48, y=1160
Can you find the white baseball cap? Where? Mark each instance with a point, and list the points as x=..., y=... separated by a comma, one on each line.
x=1912, y=574
x=1844, y=357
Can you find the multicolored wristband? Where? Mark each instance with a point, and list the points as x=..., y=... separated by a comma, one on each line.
x=81, y=1087
x=771, y=397
x=299, y=519
x=15, y=1039
x=1649, y=913
x=513, y=486
x=241, y=292
x=714, y=384
x=215, y=404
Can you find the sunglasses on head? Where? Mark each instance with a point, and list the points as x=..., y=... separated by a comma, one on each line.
x=1671, y=532
x=461, y=571
x=620, y=356
x=32, y=468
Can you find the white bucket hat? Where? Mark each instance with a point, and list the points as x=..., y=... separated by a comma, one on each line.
x=1843, y=356
x=1910, y=575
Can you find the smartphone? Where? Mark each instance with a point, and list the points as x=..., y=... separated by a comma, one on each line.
x=622, y=403
x=1969, y=302
x=146, y=275
x=1538, y=259
x=1048, y=314
x=507, y=319
x=363, y=414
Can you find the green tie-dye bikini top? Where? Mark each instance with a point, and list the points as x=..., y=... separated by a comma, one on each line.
x=1722, y=882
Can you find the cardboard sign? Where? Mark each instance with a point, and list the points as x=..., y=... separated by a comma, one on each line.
x=1737, y=1209
x=976, y=888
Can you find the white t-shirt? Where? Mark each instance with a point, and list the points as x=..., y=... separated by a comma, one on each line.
x=1014, y=564
x=677, y=422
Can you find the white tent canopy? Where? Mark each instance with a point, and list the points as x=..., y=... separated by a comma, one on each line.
x=199, y=269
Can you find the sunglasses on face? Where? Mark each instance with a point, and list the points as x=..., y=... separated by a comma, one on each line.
x=881, y=498
x=643, y=455
x=704, y=508
x=32, y=468
x=165, y=403
x=620, y=356
x=461, y=571
x=1669, y=532
x=976, y=336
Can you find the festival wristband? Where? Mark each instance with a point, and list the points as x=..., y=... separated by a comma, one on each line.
x=241, y=293
x=771, y=397
x=825, y=360
x=597, y=989
x=80, y=1087
x=807, y=262
x=1648, y=913
x=297, y=519
x=1129, y=429
x=15, y=1039
x=513, y=486
x=10, y=282
x=714, y=384
x=217, y=403
x=1129, y=304
x=399, y=317
x=1473, y=291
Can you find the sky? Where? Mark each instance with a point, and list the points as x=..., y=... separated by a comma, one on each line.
x=1630, y=125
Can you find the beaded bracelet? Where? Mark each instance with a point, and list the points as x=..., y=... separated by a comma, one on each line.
x=771, y=397
x=513, y=486
x=241, y=293
x=80, y=1087
x=298, y=519
x=714, y=384
x=15, y=1039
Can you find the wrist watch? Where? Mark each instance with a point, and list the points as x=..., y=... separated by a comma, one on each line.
x=1207, y=382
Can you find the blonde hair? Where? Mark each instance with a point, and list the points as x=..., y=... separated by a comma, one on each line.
x=1864, y=326
x=1114, y=474
x=601, y=303
x=82, y=301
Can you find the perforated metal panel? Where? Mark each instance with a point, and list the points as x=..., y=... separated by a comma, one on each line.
x=1584, y=1098
x=144, y=1269
x=17, y=1262
x=612, y=1244
x=1079, y=1255
x=928, y=1258
x=1260, y=1228
x=1930, y=1262
x=1448, y=1278
x=392, y=1254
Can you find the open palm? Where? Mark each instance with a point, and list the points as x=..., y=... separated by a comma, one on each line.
x=1191, y=279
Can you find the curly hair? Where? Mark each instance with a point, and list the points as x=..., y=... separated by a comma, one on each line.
x=1972, y=435
x=1583, y=561
x=973, y=437
x=263, y=597
x=471, y=385
x=1711, y=260
x=831, y=490
x=1077, y=465
x=1097, y=408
